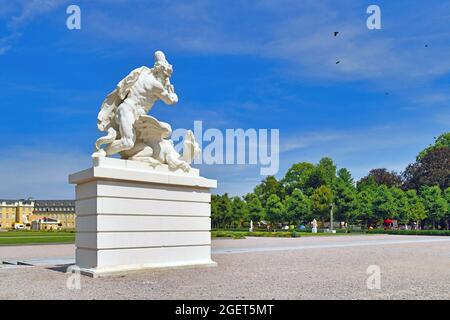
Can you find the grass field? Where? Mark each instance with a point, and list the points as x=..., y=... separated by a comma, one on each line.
x=35, y=237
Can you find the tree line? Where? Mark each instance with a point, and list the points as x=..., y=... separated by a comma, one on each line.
x=420, y=195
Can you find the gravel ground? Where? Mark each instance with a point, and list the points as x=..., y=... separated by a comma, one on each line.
x=299, y=268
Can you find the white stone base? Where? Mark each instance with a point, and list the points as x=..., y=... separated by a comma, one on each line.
x=131, y=217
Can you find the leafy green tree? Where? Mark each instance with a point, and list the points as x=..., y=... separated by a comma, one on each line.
x=443, y=141
x=215, y=217
x=321, y=200
x=401, y=208
x=417, y=210
x=364, y=206
x=225, y=211
x=297, y=177
x=435, y=204
x=275, y=210
x=256, y=211
x=345, y=196
x=270, y=185
x=323, y=174
x=240, y=211
x=298, y=207
x=447, y=199
x=383, y=204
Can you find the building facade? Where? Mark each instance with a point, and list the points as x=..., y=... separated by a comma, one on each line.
x=61, y=210
x=22, y=213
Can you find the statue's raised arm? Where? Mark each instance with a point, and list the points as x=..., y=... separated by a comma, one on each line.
x=130, y=131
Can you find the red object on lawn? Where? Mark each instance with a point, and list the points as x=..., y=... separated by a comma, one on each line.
x=388, y=221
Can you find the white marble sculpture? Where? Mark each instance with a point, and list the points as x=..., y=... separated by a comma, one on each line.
x=314, y=226
x=131, y=132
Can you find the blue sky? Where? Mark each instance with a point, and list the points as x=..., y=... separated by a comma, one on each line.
x=237, y=64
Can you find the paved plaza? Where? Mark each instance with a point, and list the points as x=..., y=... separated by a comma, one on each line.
x=412, y=267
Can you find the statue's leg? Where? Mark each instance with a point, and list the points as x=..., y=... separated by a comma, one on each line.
x=125, y=119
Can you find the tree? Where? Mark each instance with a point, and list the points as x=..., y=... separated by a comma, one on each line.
x=364, y=206
x=435, y=204
x=275, y=210
x=225, y=211
x=215, y=217
x=417, y=210
x=430, y=170
x=256, y=211
x=321, y=200
x=383, y=204
x=298, y=207
x=345, y=196
x=270, y=185
x=240, y=211
x=443, y=141
x=401, y=208
x=297, y=176
x=324, y=174
x=447, y=199
x=382, y=176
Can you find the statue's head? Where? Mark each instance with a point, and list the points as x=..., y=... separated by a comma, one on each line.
x=161, y=64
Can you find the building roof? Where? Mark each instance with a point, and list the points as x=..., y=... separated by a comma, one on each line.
x=54, y=203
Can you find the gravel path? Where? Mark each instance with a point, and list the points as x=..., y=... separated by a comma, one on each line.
x=290, y=268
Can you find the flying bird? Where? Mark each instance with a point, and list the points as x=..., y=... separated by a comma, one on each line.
x=336, y=33
x=339, y=61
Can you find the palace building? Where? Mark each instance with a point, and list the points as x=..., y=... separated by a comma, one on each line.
x=37, y=214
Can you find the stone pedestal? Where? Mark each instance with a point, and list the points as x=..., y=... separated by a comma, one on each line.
x=133, y=217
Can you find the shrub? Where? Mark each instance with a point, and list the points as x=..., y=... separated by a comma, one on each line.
x=411, y=232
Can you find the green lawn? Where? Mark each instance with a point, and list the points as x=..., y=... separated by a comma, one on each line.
x=35, y=237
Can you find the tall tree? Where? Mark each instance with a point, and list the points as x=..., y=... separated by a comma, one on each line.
x=364, y=206
x=321, y=200
x=324, y=174
x=270, y=185
x=435, y=204
x=382, y=176
x=383, y=204
x=215, y=215
x=417, y=211
x=447, y=199
x=297, y=176
x=432, y=169
x=225, y=210
x=256, y=211
x=275, y=210
x=240, y=211
x=345, y=196
x=298, y=207
x=401, y=209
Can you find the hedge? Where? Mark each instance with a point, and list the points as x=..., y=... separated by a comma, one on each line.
x=411, y=232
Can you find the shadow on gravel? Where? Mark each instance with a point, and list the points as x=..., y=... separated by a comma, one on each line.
x=60, y=268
